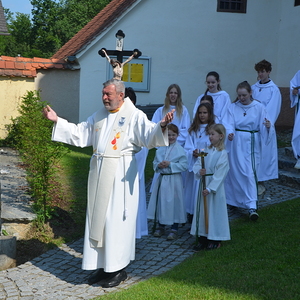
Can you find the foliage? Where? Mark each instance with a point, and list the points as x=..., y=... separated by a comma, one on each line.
x=30, y=133
x=149, y=172
x=53, y=24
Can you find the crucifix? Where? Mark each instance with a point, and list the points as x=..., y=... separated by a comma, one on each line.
x=118, y=64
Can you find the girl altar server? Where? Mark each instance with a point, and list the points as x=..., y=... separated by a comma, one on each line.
x=166, y=203
x=249, y=129
x=173, y=100
x=215, y=170
x=294, y=96
x=267, y=92
x=197, y=138
x=220, y=97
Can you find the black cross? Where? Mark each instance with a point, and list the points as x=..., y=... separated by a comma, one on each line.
x=120, y=54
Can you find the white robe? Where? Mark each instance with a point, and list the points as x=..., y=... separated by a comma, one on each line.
x=183, y=123
x=221, y=104
x=216, y=163
x=269, y=95
x=295, y=82
x=141, y=219
x=120, y=223
x=241, y=184
x=166, y=203
x=191, y=185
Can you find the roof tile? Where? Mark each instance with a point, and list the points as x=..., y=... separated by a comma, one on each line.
x=27, y=67
x=20, y=65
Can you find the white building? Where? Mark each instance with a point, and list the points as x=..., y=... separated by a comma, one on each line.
x=182, y=41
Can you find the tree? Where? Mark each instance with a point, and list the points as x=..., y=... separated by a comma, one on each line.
x=20, y=40
x=53, y=24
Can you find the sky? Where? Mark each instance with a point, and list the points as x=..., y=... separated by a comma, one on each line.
x=22, y=6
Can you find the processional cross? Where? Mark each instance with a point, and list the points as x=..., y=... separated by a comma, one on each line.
x=118, y=64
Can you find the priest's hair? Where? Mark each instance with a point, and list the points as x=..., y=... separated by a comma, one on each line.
x=119, y=85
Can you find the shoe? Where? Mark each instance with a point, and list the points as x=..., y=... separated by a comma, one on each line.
x=199, y=247
x=115, y=279
x=297, y=165
x=253, y=215
x=172, y=235
x=231, y=207
x=159, y=232
x=213, y=246
x=260, y=189
x=98, y=276
x=190, y=218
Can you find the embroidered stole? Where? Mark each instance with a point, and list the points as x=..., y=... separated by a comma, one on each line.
x=103, y=169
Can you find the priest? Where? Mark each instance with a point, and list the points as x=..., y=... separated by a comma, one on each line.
x=116, y=132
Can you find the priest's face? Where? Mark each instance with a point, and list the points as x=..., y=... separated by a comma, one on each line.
x=111, y=99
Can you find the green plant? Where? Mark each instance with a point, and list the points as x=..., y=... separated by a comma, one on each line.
x=4, y=232
x=30, y=133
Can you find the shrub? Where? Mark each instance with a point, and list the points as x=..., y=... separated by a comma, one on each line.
x=30, y=134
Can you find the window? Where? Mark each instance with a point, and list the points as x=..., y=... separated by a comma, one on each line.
x=236, y=6
x=297, y=2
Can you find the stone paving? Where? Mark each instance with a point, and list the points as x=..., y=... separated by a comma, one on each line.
x=57, y=274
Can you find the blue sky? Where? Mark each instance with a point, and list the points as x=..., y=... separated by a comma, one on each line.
x=22, y=6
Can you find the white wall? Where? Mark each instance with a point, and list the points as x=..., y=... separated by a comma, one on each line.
x=60, y=88
x=187, y=39
x=288, y=59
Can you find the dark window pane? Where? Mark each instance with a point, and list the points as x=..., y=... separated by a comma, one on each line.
x=237, y=6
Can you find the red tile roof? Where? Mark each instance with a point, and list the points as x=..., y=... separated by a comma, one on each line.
x=95, y=27
x=26, y=67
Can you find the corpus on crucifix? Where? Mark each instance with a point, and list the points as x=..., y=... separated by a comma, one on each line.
x=118, y=64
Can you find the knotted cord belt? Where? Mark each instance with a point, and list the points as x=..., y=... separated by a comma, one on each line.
x=252, y=155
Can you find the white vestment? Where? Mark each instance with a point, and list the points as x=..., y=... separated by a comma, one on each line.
x=120, y=219
x=269, y=95
x=250, y=135
x=295, y=82
x=217, y=166
x=166, y=203
x=195, y=140
x=221, y=104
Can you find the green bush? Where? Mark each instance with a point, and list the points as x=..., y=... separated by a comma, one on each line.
x=30, y=134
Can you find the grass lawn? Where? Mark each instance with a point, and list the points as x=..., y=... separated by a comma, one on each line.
x=260, y=262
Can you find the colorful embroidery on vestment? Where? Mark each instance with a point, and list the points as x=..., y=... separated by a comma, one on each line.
x=114, y=141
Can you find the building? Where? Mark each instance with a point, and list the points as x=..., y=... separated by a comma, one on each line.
x=180, y=41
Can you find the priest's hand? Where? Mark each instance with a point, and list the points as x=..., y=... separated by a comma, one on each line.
x=168, y=118
x=50, y=114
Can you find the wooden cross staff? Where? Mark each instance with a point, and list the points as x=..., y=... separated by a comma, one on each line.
x=202, y=154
